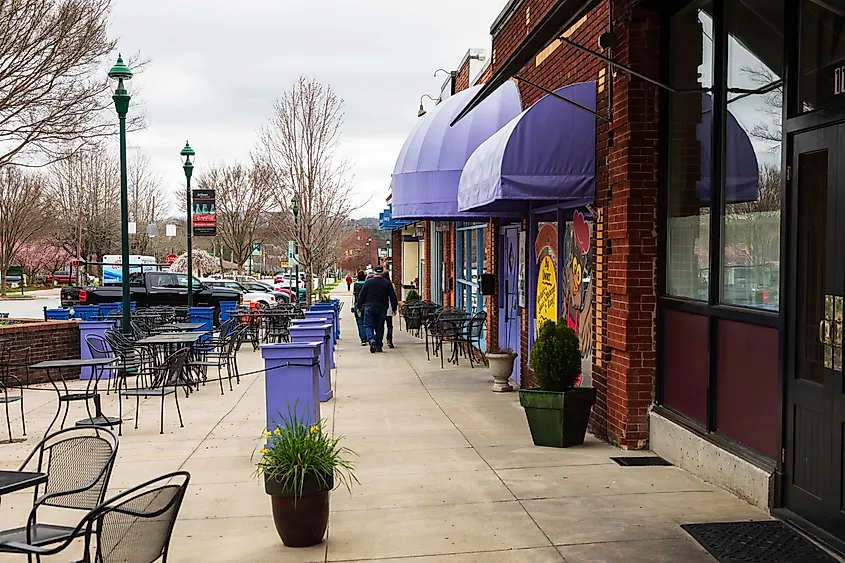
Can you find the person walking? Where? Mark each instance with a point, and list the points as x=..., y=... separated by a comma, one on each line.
x=348, y=282
x=375, y=299
x=388, y=319
x=359, y=317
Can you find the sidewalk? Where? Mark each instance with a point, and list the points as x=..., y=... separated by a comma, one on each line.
x=447, y=469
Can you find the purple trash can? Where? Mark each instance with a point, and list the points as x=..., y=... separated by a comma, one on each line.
x=310, y=333
x=97, y=328
x=291, y=382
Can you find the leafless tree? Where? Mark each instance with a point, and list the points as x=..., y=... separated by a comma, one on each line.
x=84, y=193
x=22, y=215
x=299, y=148
x=54, y=95
x=243, y=198
x=147, y=200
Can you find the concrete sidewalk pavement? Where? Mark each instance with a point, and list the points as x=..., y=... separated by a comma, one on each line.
x=447, y=469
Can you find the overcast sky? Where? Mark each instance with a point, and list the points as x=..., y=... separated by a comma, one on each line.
x=217, y=66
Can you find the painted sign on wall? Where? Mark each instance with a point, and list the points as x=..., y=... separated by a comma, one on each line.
x=576, y=287
x=521, y=285
x=546, y=255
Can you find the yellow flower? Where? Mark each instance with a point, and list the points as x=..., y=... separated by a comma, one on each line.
x=268, y=434
x=264, y=451
x=315, y=429
x=277, y=431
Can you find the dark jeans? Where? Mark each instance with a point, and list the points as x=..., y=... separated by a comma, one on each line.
x=362, y=331
x=374, y=322
x=389, y=320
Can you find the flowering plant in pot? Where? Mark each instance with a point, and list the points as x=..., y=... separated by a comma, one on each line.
x=501, y=367
x=301, y=465
x=557, y=411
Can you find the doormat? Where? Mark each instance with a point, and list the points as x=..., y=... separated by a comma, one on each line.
x=640, y=461
x=756, y=542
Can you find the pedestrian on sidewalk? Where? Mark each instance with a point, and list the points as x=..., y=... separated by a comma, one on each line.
x=375, y=299
x=388, y=319
x=359, y=317
x=348, y=281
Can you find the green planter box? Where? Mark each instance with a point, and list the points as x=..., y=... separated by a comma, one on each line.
x=558, y=420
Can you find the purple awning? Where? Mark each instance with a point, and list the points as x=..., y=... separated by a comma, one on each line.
x=742, y=172
x=427, y=172
x=546, y=153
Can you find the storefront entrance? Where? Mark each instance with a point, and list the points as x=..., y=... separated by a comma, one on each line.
x=509, y=331
x=815, y=389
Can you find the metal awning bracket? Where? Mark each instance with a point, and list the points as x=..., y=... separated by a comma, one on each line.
x=559, y=97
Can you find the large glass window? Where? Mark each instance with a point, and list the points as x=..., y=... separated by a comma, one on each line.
x=470, y=263
x=822, y=52
x=752, y=186
x=689, y=185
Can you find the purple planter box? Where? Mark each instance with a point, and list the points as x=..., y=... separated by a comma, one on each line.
x=323, y=333
x=97, y=328
x=323, y=312
x=318, y=319
x=291, y=382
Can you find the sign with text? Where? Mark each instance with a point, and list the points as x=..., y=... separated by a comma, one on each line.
x=205, y=213
x=546, y=254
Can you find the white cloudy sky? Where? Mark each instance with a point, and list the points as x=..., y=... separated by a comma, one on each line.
x=217, y=66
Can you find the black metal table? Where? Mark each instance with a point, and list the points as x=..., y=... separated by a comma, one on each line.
x=172, y=340
x=67, y=395
x=181, y=327
x=13, y=481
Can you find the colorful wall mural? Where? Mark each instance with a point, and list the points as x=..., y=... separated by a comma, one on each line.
x=576, y=287
x=546, y=255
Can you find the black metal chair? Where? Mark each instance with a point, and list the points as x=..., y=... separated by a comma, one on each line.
x=469, y=339
x=448, y=326
x=78, y=463
x=132, y=361
x=11, y=385
x=165, y=381
x=220, y=353
x=133, y=527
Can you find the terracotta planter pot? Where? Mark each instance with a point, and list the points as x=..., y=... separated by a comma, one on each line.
x=300, y=521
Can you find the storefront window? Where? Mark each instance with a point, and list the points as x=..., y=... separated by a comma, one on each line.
x=689, y=186
x=470, y=261
x=752, y=186
x=822, y=53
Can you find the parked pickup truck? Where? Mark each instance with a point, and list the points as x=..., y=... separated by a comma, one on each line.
x=152, y=288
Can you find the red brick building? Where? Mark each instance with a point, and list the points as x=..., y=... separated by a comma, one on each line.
x=359, y=250
x=703, y=273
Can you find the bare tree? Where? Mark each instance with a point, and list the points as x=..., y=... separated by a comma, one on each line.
x=299, y=148
x=54, y=97
x=243, y=198
x=84, y=193
x=22, y=215
x=147, y=199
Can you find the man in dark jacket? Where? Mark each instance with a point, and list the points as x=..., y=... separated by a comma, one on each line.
x=359, y=316
x=373, y=300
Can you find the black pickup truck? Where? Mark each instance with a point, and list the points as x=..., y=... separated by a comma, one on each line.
x=150, y=289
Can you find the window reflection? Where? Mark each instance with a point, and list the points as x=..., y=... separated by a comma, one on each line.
x=691, y=65
x=822, y=53
x=751, y=225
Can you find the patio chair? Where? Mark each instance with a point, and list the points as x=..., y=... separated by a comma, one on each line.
x=165, y=380
x=133, y=527
x=11, y=385
x=276, y=328
x=448, y=326
x=219, y=355
x=78, y=463
x=470, y=338
x=132, y=361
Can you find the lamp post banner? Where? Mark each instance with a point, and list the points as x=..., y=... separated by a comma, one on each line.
x=205, y=215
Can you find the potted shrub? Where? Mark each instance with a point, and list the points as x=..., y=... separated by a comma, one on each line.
x=301, y=465
x=411, y=313
x=501, y=367
x=557, y=411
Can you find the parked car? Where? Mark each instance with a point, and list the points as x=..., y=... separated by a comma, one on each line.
x=153, y=288
x=260, y=287
x=265, y=299
x=62, y=277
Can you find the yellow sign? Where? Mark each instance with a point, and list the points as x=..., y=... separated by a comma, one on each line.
x=284, y=264
x=546, y=292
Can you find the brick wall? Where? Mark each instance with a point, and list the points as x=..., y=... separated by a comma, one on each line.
x=396, y=247
x=449, y=238
x=491, y=250
x=462, y=78
x=626, y=201
x=429, y=237
x=48, y=340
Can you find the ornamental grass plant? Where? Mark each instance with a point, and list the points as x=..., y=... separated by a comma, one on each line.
x=294, y=451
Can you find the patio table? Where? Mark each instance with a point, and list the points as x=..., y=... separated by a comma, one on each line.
x=13, y=481
x=66, y=395
x=181, y=327
x=171, y=341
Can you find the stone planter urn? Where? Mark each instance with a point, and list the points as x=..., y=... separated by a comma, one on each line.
x=501, y=367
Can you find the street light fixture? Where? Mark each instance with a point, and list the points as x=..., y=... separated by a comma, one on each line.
x=121, y=74
x=295, y=208
x=188, y=165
